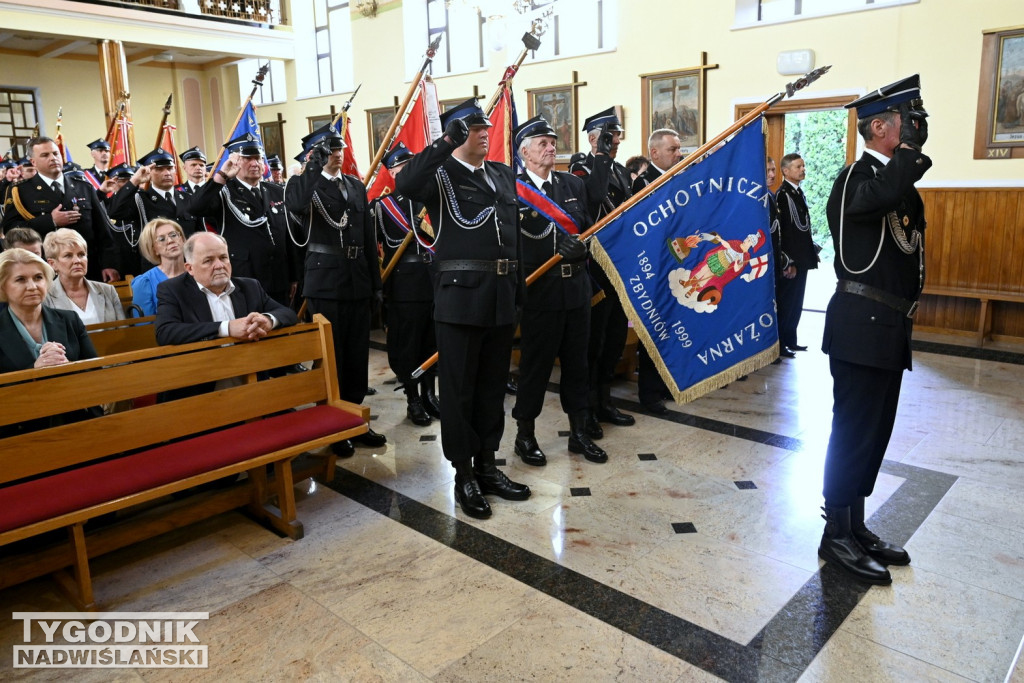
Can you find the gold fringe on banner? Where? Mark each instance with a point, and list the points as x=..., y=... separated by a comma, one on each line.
x=727, y=376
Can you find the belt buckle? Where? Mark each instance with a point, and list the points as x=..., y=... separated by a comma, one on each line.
x=352, y=252
x=913, y=310
x=502, y=266
x=427, y=257
x=566, y=270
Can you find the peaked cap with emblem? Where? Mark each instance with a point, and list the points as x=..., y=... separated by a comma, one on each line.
x=890, y=97
x=601, y=118
x=247, y=145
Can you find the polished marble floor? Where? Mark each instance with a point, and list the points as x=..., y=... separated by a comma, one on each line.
x=689, y=556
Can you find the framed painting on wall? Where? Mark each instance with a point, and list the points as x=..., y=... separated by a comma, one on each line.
x=377, y=123
x=557, y=105
x=674, y=99
x=999, y=127
x=319, y=121
x=273, y=139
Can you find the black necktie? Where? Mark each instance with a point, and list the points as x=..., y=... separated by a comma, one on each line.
x=169, y=197
x=55, y=186
x=546, y=188
x=257, y=195
x=340, y=184
x=480, y=175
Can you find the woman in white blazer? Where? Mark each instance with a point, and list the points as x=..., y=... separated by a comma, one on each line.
x=94, y=302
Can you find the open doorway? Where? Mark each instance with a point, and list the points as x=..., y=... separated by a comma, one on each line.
x=824, y=133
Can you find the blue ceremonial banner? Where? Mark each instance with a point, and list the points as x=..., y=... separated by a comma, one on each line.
x=247, y=123
x=692, y=265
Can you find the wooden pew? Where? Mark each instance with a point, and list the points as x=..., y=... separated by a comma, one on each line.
x=63, y=475
x=119, y=336
x=985, y=297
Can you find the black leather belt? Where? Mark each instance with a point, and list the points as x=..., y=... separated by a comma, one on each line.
x=566, y=270
x=904, y=306
x=502, y=266
x=336, y=249
x=413, y=257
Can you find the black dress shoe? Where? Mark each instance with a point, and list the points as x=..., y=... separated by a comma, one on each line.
x=840, y=547
x=493, y=482
x=416, y=412
x=370, y=391
x=470, y=498
x=579, y=442
x=797, y=347
x=343, y=449
x=511, y=387
x=529, y=451
x=613, y=416
x=656, y=408
x=786, y=353
x=777, y=361
x=883, y=552
x=588, y=449
x=429, y=399
x=371, y=439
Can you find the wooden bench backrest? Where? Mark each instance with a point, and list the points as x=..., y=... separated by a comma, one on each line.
x=124, y=290
x=120, y=336
x=31, y=394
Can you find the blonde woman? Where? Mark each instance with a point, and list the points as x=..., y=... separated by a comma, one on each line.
x=162, y=243
x=94, y=302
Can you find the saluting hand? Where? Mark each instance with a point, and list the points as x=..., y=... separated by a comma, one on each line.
x=230, y=167
x=142, y=175
x=62, y=218
x=457, y=132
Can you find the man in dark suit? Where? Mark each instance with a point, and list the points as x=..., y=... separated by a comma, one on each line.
x=783, y=264
x=342, y=276
x=205, y=302
x=798, y=242
x=48, y=201
x=252, y=217
x=663, y=145
x=409, y=292
x=556, y=318
x=478, y=284
x=608, y=185
x=876, y=218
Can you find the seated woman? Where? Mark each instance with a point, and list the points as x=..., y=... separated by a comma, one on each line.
x=34, y=336
x=162, y=243
x=94, y=302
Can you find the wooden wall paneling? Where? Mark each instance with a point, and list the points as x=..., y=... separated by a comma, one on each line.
x=975, y=238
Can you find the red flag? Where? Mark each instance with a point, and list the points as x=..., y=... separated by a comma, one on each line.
x=414, y=132
x=503, y=122
x=500, y=149
x=120, y=152
x=167, y=144
x=348, y=163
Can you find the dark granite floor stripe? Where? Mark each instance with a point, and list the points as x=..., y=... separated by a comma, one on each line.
x=718, y=426
x=714, y=653
x=781, y=651
x=994, y=355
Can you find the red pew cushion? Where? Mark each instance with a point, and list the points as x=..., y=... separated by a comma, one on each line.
x=40, y=499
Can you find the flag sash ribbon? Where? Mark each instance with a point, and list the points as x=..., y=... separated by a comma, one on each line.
x=542, y=204
x=398, y=216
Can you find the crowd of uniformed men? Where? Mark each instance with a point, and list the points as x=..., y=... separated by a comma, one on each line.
x=457, y=238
